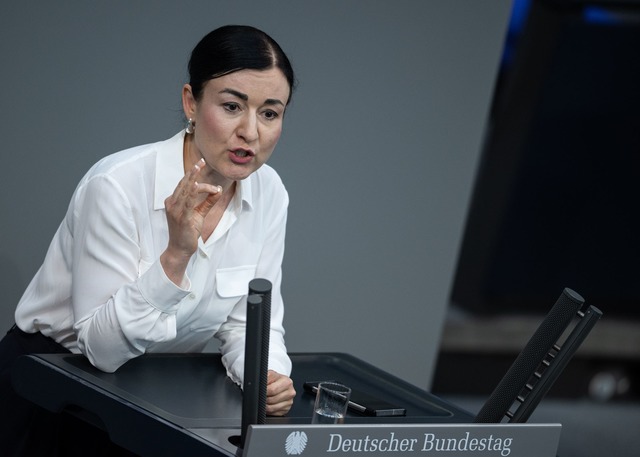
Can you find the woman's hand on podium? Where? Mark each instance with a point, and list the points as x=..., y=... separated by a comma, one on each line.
x=280, y=394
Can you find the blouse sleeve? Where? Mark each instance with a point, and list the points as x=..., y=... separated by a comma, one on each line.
x=119, y=310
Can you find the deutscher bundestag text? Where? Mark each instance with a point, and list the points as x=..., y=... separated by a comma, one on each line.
x=429, y=442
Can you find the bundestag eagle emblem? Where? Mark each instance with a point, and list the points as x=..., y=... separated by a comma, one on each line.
x=296, y=442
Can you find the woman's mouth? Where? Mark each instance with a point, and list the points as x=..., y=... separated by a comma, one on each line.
x=241, y=156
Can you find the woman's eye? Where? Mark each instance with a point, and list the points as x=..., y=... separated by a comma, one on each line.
x=270, y=115
x=233, y=107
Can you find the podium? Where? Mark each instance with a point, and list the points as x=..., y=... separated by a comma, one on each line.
x=184, y=404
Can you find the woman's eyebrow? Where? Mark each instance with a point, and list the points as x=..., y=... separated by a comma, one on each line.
x=235, y=93
x=245, y=97
x=273, y=101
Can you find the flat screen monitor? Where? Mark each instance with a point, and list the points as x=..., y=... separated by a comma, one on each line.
x=556, y=198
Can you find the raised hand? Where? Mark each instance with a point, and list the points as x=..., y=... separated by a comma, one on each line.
x=186, y=210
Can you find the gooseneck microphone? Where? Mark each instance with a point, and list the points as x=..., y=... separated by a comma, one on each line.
x=525, y=365
x=262, y=288
x=256, y=355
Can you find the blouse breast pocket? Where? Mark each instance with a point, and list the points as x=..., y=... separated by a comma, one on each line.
x=234, y=282
x=230, y=286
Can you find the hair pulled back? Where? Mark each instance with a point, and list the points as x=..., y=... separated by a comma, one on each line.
x=233, y=48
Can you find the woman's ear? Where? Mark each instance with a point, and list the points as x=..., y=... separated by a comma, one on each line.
x=188, y=102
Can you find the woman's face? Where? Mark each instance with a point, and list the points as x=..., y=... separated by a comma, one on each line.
x=238, y=122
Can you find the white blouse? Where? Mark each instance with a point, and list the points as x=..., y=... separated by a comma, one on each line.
x=101, y=289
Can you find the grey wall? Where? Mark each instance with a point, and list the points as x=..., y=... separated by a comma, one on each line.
x=379, y=150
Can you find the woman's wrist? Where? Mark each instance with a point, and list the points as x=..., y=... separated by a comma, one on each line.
x=174, y=266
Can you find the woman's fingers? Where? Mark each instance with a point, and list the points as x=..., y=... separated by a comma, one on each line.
x=280, y=394
x=185, y=214
x=214, y=193
x=188, y=183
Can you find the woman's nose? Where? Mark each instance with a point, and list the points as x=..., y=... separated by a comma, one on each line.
x=248, y=128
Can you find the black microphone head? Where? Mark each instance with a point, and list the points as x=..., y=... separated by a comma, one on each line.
x=573, y=295
x=259, y=286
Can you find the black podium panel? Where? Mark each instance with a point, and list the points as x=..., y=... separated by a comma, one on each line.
x=184, y=404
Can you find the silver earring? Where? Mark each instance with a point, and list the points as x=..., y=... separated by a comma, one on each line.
x=191, y=126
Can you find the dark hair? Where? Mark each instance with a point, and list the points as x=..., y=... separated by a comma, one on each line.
x=232, y=48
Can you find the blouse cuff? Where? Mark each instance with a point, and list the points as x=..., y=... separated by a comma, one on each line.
x=159, y=291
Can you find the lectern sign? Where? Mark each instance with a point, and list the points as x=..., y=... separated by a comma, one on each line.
x=450, y=440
